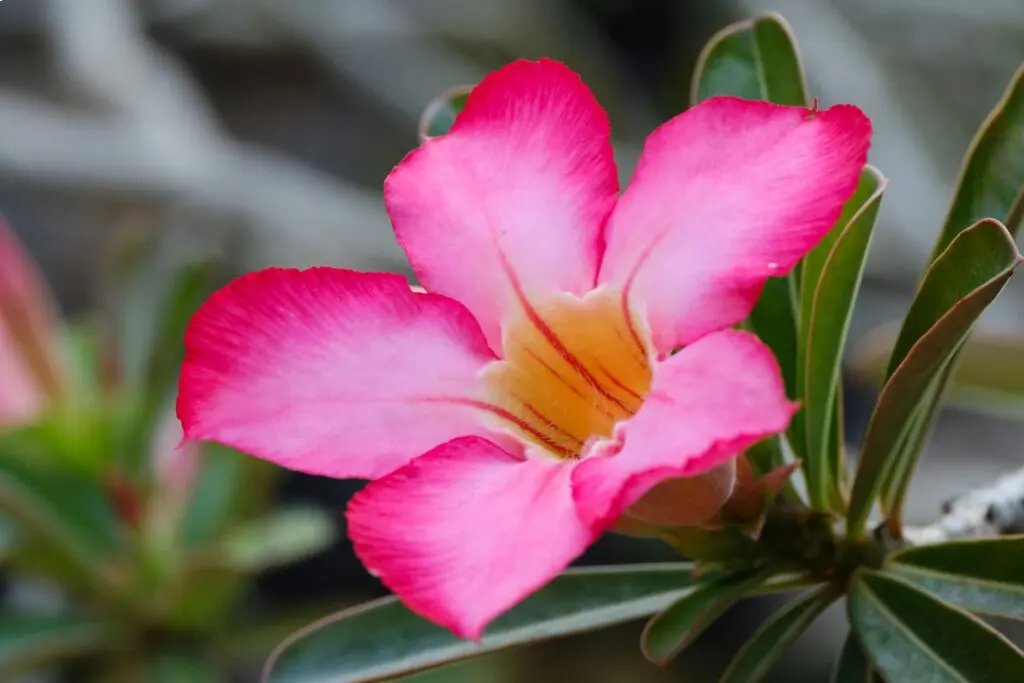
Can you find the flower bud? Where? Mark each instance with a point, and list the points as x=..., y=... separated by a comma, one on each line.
x=684, y=501
x=30, y=375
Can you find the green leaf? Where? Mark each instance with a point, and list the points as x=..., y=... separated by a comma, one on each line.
x=936, y=294
x=229, y=486
x=773, y=319
x=992, y=175
x=80, y=354
x=181, y=668
x=68, y=512
x=155, y=280
x=30, y=643
x=988, y=376
x=832, y=274
x=189, y=285
x=913, y=637
x=758, y=59
x=74, y=436
x=955, y=291
x=277, y=538
x=384, y=639
x=668, y=633
x=439, y=116
x=982, y=575
x=771, y=641
x=852, y=665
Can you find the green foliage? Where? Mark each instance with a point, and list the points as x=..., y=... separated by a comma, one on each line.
x=668, y=633
x=832, y=274
x=957, y=289
x=152, y=547
x=277, y=538
x=384, y=639
x=991, y=182
x=852, y=665
x=982, y=575
x=28, y=642
x=439, y=116
x=65, y=511
x=771, y=641
x=913, y=637
x=986, y=374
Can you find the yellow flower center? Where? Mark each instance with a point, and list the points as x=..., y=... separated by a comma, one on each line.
x=572, y=369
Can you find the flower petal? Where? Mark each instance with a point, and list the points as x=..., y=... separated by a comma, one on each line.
x=21, y=397
x=725, y=195
x=513, y=199
x=28, y=313
x=708, y=403
x=330, y=371
x=464, y=532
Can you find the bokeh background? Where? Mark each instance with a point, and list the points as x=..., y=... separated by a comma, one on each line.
x=260, y=131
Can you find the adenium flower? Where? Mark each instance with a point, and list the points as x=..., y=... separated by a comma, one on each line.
x=30, y=377
x=572, y=351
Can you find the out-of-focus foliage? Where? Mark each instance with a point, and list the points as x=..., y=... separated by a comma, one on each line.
x=146, y=546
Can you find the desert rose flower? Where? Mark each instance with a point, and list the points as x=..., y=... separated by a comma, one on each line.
x=30, y=378
x=573, y=350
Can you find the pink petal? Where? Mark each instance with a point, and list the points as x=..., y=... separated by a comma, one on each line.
x=330, y=371
x=466, y=531
x=512, y=200
x=707, y=404
x=725, y=195
x=28, y=315
x=21, y=397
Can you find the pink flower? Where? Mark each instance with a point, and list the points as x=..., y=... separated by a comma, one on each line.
x=573, y=350
x=30, y=377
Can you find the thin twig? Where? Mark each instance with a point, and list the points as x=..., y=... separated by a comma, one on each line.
x=994, y=510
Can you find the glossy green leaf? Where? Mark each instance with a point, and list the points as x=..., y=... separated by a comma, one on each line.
x=955, y=291
x=896, y=480
x=937, y=293
x=383, y=639
x=671, y=631
x=68, y=512
x=896, y=483
x=913, y=637
x=982, y=575
x=992, y=175
x=852, y=665
x=774, y=320
x=31, y=643
x=756, y=659
x=439, y=116
x=986, y=374
x=277, y=538
x=832, y=274
x=758, y=59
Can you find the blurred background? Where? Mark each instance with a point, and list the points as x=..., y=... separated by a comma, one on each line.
x=138, y=138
